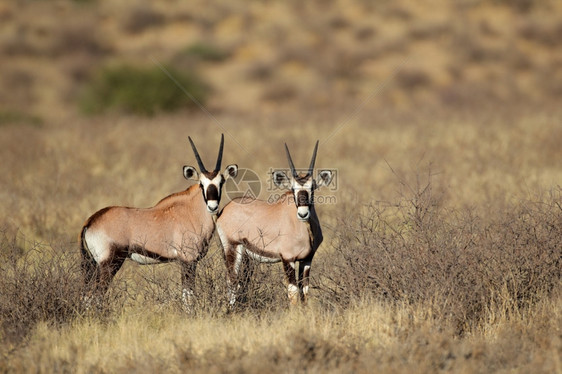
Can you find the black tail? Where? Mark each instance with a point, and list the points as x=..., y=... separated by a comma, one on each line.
x=89, y=264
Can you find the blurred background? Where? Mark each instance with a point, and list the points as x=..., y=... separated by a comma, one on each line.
x=255, y=56
x=97, y=98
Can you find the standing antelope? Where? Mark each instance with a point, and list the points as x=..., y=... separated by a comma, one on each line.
x=287, y=230
x=178, y=228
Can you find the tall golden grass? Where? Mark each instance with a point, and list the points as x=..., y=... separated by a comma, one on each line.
x=442, y=252
x=418, y=271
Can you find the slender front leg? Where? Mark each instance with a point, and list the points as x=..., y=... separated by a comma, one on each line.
x=188, y=285
x=292, y=288
x=233, y=258
x=304, y=274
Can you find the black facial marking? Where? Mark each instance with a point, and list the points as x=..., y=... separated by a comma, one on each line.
x=211, y=174
x=302, y=198
x=203, y=192
x=212, y=192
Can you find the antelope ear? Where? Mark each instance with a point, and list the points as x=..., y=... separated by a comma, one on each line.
x=231, y=171
x=189, y=172
x=324, y=178
x=280, y=179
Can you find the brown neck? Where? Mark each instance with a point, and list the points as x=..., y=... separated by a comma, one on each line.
x=190, y=194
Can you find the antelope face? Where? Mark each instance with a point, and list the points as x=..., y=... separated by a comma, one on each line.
x=303, y=193
x=211, y=182
x=211, y=186
x=302, y=185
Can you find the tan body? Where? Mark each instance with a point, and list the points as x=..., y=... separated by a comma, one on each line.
x=287, y=230
x=284, y=238
x=177, y=228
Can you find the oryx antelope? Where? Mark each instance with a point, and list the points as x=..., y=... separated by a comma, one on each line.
x=178, y=228
x=286, y=230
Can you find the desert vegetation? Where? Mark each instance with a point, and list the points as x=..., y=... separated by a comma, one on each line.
x=442, y=228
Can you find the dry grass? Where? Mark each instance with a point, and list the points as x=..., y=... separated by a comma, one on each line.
x=401, y=287
x=401, y=338
x=442, y=253
x=462, y=276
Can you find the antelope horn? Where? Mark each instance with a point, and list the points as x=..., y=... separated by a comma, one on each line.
x=199, y=162
x=293, y=171
x=219, y=158
x=311, y=167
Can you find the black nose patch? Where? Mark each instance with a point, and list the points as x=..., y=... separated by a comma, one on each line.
x=302, y=198
x=212, y=192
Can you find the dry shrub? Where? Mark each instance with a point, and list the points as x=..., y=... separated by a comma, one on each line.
x=260, y=71
x=39, y=284
x=465, y=266
x=56, y=39
x=21, y=94
x=299, y=353
x=262, y=285
x=206, y=51
x=412, y=78
x=523, y=6
x=141, y=18
x=143, y=90
x=80, y=36
x=279, y=92
x=160, y=287
x=11, y=117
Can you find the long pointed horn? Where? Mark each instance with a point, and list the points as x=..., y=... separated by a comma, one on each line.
x=219, y=158
x=293, y=171
x=199, y=162
x=311, y=167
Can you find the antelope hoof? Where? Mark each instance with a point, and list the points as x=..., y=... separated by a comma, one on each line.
x=293, y=293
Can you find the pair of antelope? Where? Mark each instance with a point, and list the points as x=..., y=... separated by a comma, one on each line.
x=180, y=226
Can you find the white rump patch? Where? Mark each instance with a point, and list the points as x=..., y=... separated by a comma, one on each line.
x=97, y=243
